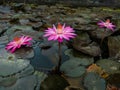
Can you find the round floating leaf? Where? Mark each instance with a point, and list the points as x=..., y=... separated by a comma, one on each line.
x=93, y=81
x=110, y=66
x=11, y=67
x=83, y=59
x=73, y=68
x=25, y=83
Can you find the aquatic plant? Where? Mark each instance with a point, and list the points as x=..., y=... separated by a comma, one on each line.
x=92, y=81
x=59, y=33
x=106, y=25
x=17, y=42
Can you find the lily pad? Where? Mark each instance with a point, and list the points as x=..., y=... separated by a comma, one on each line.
x=26, y=83
x=93, y=81
x=40, y=78
x=7, y=82
x=11, y=67
x=82, y=58
x=24, y=53
x=110, y=66
x=23, y=30
x=73, y=68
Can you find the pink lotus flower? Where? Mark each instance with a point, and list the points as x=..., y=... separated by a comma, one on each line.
x=18, y=42
x=106, y=24
x=60, y=33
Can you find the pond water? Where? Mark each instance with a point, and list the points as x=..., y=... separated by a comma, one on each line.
x=89, y=61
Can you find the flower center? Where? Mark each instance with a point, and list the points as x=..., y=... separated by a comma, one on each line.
x=107, y=22
x=17, y=39
x=59, y=29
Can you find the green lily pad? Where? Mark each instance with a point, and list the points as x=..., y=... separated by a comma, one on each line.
x=73, y=68
x=93, y=81
x=83, y=59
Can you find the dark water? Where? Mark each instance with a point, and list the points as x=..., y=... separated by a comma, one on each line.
x=46, y=60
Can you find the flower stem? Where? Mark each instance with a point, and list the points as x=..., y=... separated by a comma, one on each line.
x=103, y=37
x=60, y=58
x=57, y=68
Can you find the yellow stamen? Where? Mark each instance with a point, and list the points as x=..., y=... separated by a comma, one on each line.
x=59, y=28
x=107, y=22
x=16, y=39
